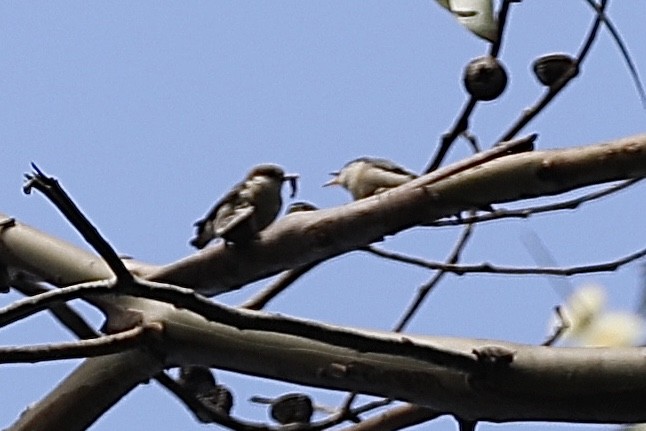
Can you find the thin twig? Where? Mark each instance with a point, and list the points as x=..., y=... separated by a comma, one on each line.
x=63, y=312
x=461, y=125
x=424, y=290
x=529, y=113
x=560, y=329
x=502, y=24
x=285, y=280
x=397, y=418
x=192, y=301
x=28, y=306
x=50, y=187
x=634, y=73
x=525, y=143
x=345, y=415
x=570, y=204
x=104, y=345
x=487, y=268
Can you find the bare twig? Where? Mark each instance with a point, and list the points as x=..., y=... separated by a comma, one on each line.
x=104, y=345
x=634, y=73
x=525, y=143
x=560, y=329
x=569, y=204
x=285, y=280
x=50, y=187
x=28, y=306
x=529, y=113
x=461, y=125
x=63, y=312
x=424, y=290
x=397, y=418
x=241, y=319
x=487, y=268
x=502, y=21
x=345, y=415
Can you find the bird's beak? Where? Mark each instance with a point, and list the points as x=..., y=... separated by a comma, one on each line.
x=334, y=181
x=292, y=178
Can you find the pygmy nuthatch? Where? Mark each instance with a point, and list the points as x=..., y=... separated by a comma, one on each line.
x=367, y=176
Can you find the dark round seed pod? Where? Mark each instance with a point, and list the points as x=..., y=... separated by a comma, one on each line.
x=292, y=408
x=218, y=398
x=485, y=78
x=196, y=379
x=551, y=67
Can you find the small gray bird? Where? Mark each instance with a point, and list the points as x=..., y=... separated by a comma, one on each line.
x=368, y=176
x=247, y=209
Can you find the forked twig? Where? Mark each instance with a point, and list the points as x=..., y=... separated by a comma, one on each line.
x=530, y=113
x=632, y=68
x=53, y=191
x=569, y=204
x=424, y=290
x=461, y=125
x=487, y=268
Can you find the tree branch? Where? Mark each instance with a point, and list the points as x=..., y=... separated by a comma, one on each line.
x=104, y=345
x=424, y=290
x=530, y=113
x=52, y=189
x=302, y=238
x=488, y=268
x=88, y=392
x=569, y=204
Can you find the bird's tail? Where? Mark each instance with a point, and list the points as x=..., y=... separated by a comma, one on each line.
x=201, y=237
x=199, y=242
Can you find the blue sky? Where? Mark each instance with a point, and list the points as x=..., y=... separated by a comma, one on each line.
x=149, y=111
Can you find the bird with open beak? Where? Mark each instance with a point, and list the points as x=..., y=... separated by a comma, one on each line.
x=368, y=176
x=247, y=209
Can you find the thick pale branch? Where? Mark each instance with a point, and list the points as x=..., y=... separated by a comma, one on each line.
x=472, y=379
x=88, y=392
x=583, y=385
x=593, y=385
x=488, y=268
x=305, y=237
x=54, y=260
x=302, y=238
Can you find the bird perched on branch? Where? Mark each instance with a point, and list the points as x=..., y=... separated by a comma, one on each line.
x=368, y=176
x=247, y=209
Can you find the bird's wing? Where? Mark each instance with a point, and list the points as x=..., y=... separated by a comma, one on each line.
x=232, y=197
x=204, y=227
x=233, y=219
x=386, y=165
